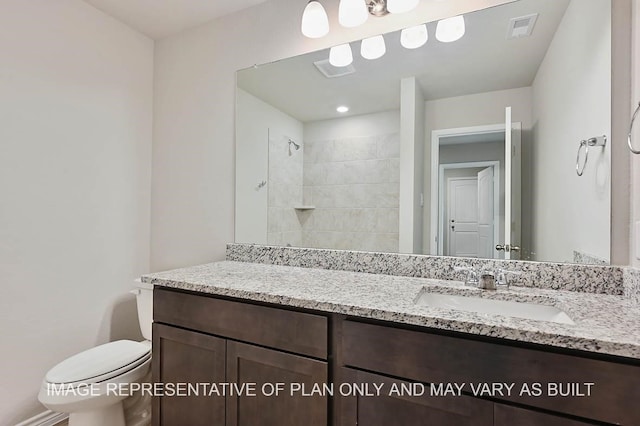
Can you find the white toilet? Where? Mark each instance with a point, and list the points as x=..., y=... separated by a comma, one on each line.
x=89, y=386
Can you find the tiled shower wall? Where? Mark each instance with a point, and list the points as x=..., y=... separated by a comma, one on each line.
x=285, y=191
x=354, y=185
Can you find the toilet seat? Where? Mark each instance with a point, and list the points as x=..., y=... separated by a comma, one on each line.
x=100, y=363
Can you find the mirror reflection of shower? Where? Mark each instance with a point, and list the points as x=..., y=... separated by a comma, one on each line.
x=295, y=145
x=285, y=177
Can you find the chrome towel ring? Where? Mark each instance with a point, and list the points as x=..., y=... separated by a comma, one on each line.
x=631, y=131
x=586, y=143
x=579, y=170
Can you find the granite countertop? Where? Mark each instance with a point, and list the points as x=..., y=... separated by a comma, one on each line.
x=603, y=323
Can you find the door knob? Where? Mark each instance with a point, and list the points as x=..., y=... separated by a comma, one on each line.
x=500, y=247
x=515, y=248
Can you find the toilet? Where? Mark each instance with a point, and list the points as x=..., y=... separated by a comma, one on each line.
x=94, y=386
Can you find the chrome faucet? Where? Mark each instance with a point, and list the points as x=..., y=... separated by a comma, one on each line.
x=487, y=279
x=472, y=275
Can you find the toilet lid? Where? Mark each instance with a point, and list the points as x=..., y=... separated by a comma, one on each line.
x=96, y=363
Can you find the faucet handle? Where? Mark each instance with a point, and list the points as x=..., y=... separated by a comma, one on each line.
x=501, y=277
x=472, y=275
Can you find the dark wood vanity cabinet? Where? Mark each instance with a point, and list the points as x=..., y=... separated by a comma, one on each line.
x=198, y=338
x=182, y=356
x=253, y=364
x=393, y=408
x=204, y=340
x=507, y=415
x=436, y=358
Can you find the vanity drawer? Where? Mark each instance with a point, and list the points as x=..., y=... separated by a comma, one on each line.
x=433, y=358
x=297, y=332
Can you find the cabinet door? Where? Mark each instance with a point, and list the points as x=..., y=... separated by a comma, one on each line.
x=253, y=364
x=389, y=409
x=506, y=415
x=181, y=356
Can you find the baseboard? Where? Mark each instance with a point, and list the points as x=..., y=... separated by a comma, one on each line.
x=48, y=418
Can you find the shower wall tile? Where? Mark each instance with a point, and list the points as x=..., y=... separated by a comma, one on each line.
x=388, y=146
x=387, y=220
x=354, y=185
x=274, y=219
x=285, y=189
x=307, y=195
x=353, y=149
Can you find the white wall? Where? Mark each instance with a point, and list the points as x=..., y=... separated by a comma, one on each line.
x=420, y=193
x=411, y=165
x=193, y=191
x=75, y=153
x=635, y=159
x=571, y=102
x=479, y=110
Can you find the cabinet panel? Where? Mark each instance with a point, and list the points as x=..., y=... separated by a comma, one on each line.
x=277, y=328
x=391, y=409
x=252, y=364
x=434, y=358
x=505, y=415
x=181, y=356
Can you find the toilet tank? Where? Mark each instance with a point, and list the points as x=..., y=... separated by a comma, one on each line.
x=144, y=300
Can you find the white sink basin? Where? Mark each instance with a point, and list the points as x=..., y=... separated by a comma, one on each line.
x=482, y=305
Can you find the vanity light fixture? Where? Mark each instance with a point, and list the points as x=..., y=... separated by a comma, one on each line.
x=377, y=7
x=373, y=47
x=340, y=56
x=315, y=23
x=414, y=37
x=450, y=29
x=401, y=6
x=342, y=109
x=352, y=13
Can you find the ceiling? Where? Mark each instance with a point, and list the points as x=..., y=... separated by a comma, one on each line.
x=483, y=60
x=162, y=18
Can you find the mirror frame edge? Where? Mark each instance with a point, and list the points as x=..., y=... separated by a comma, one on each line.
x=621, y=36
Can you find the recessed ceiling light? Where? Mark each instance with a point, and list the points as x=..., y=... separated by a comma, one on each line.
x=342, y=109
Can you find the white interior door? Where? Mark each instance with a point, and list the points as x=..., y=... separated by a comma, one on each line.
x=485, y=213
x=513, y=183
x=462, y=215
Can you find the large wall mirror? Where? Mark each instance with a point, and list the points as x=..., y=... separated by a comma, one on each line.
x=464, y=148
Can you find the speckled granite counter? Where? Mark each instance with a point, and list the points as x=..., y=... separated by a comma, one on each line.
x=554, y=276
x=603, y=323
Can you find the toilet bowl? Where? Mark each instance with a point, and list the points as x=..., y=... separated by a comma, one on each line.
x=91, y=386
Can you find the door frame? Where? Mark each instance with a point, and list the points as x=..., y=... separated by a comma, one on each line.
x=496, y=197
x=436, y=135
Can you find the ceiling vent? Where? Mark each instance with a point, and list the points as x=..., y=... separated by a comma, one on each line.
x=330, y=71
x=522, y=26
